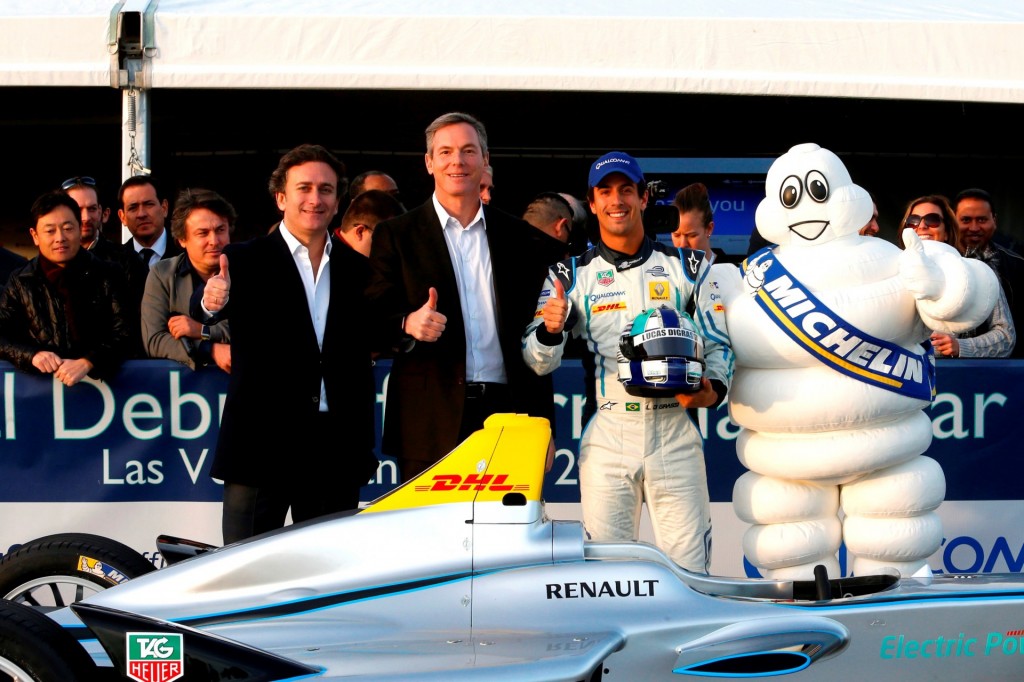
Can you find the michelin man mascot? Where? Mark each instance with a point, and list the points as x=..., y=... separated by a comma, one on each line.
x=834, y=372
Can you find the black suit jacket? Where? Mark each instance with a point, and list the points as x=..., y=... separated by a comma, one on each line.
x=135, y=274
x=276, y=368
x=426, y=390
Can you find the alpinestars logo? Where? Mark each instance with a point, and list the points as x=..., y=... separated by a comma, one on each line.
x=155, y=656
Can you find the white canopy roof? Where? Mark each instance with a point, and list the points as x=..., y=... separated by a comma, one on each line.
x=970, y=50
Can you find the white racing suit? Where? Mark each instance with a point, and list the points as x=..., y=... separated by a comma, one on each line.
x=639, y=449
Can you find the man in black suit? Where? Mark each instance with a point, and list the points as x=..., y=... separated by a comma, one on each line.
x=144, y=213
x=451, y=291
x=298, y=424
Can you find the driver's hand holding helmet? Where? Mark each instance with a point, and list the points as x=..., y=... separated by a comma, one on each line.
x=661, y=355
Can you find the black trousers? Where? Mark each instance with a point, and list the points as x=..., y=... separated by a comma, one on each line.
x=482, y=400
x=251, y=510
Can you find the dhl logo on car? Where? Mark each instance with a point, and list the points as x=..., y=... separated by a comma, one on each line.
x=492, y=482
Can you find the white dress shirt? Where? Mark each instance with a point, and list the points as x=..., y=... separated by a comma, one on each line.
x=318, y=290
x=159, y=248
x=471, y=260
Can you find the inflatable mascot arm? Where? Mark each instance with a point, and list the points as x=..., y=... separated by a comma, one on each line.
x=953, y=293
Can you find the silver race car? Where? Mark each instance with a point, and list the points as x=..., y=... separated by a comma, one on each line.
x=460, y=575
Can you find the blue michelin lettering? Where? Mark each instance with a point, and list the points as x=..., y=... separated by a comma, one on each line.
x=843, y=342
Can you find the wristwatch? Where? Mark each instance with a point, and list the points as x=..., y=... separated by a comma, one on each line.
x=204, y=333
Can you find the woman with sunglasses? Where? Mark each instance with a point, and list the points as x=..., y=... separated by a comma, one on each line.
x=932, y=218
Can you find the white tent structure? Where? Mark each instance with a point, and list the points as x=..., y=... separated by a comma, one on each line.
x=953, y=50
x=970, y=50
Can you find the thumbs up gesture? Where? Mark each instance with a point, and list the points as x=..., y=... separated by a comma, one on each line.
x=215, y=296
x=426, y=324
x=920, y=274
x=556, y=309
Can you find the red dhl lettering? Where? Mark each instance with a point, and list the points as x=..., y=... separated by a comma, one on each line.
x=539, y=313
x=605, y=307
x=452, y=482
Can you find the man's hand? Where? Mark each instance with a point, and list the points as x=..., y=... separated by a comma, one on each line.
x=705, y=397
x=426, y=324
x=183, y=325
x=46, y=361
x=556, y=309
x=221, y=354
x=71, y=372
x=945, y=344
x=215, y=296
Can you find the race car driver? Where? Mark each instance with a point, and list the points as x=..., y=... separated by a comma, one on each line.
x=635, y=449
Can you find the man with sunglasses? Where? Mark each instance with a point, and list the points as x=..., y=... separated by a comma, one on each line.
x=82, y=188
x=976, y=215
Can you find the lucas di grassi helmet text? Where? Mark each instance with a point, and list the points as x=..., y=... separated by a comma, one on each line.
x=660, y=354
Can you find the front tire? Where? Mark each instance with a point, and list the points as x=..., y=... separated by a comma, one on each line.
x=34, y=648
x=57, y=570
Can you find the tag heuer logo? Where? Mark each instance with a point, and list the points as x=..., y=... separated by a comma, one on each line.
x=155, y=656
x=605, y=277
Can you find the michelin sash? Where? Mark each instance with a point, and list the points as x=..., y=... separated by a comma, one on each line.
x=833, y=340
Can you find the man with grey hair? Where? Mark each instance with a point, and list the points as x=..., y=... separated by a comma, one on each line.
x=451, y=289
x=487, y=184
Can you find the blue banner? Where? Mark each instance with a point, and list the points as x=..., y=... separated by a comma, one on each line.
x=151, y=433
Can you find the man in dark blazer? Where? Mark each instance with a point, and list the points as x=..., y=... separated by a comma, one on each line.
x=451, y=292
x=298, y=424
x=143, y=212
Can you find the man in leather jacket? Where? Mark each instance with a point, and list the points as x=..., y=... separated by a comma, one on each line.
x=62, y=313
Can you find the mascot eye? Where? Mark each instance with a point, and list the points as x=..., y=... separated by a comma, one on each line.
x=817, y=186
x=789, y=195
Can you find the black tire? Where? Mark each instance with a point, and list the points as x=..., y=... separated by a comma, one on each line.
x=33, y=647
x=57, y=570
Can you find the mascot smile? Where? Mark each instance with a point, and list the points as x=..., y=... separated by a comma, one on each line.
x=834, y=373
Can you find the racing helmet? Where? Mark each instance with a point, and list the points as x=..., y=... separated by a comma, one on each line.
x=661, y=354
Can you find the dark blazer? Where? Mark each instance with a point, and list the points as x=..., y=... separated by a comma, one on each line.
x=426, y=390
x=135, y=270
x=135, y=274
x=276, y=368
